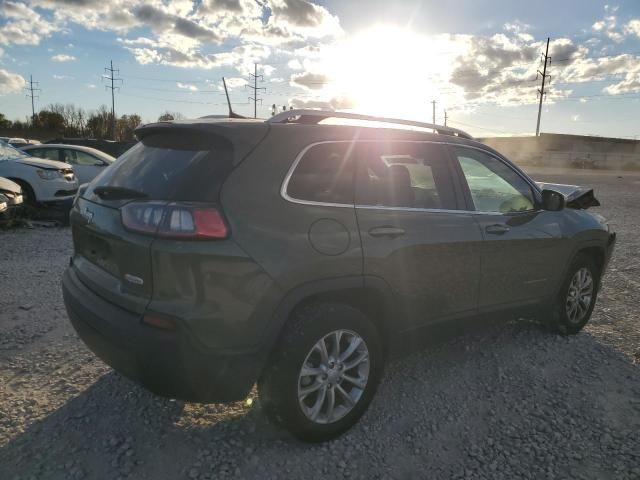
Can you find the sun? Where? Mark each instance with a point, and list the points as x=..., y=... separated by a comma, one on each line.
x=390, y=71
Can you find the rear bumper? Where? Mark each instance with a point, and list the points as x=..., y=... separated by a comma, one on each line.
x=169, y=364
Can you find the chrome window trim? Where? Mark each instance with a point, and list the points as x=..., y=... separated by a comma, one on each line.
x=287, y=178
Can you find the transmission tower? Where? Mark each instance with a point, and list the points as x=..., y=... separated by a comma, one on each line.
x=254, y=76
x=32, y=93
x=110, y=75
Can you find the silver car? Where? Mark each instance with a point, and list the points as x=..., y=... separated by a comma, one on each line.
x=87, y=162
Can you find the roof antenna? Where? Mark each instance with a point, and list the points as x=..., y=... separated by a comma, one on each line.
x=232, y=114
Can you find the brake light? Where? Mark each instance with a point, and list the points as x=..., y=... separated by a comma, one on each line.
x=174, y=220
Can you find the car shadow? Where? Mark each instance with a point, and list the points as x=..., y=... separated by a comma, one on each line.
x=432, y=406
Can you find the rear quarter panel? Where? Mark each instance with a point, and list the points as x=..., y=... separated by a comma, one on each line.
x=275, y=231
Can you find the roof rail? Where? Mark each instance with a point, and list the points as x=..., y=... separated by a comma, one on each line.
x=307, y=116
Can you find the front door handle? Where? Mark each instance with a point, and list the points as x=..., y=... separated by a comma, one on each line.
x=497, y=229
x=386, y=232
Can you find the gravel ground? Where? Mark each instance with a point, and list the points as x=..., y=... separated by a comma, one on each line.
x=503, y=401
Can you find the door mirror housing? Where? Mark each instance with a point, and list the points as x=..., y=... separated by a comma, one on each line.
x=552, y=200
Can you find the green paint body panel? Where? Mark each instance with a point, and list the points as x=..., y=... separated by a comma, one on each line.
x=229, y=298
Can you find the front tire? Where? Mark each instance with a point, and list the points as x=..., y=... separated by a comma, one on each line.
x=323, y=373
x=577, y=297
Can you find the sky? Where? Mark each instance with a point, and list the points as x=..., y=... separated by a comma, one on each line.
x=478, y=60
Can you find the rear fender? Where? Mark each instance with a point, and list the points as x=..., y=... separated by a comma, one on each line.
x=372, y=295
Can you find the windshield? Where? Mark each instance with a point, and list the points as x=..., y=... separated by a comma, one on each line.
x=7, y=152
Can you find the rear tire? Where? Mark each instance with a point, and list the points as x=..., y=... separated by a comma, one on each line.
x=577, y=296
x=336, y=386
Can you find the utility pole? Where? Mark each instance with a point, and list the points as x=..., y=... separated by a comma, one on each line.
x=445, y=118
x=112, y=78
x=256, y=89
x=541, y=91
x=433, y=102
x=32, y=92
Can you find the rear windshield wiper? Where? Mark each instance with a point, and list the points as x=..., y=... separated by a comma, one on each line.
x=107, y=192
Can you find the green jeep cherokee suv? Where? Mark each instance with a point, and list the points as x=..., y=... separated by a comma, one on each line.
x=217, y=253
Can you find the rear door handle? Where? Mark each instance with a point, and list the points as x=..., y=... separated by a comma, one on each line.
x=497, y=229
x=386, y=232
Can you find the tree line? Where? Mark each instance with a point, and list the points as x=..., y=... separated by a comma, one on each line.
x=58, y=120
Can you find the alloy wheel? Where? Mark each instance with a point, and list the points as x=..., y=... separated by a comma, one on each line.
x=579, y=295
x=333, y=376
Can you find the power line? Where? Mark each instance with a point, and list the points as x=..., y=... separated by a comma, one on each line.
x=111, y=77
x=541, y=91
x=178, y=90
x=256, y=89
x=193, y=102
x=156, y=79
x=31, y=93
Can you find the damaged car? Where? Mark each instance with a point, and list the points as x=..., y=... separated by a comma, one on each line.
x=11, y=195
x=293, y=253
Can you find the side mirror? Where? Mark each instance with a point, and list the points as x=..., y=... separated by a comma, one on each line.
x=552, y=200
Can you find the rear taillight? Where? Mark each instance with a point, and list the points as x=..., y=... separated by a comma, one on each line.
x=174, y=220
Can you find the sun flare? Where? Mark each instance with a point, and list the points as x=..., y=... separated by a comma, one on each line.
x=390, y=71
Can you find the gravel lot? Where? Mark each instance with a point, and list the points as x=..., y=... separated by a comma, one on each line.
x=503, y=401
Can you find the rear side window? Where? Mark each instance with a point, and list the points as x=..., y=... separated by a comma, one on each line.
x=175, y=166
x=404, y=175
x=324, y=174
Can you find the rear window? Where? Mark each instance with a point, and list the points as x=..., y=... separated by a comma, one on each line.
x=324, y=174
x=176, y=166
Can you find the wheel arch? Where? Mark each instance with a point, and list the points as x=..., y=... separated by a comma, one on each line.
x=597, y=252
x=372, y=296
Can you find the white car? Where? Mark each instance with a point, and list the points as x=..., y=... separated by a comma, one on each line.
x=42, y=181
x=87, y=162
x=10, y=196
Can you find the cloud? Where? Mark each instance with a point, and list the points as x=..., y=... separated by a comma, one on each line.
x=215, y=6
x=10, y=82
x=308, y=80
x=633, y=27
x=298, y=12
x=334, y=103
x=24, y=26
x=503, y=68
x=62, y=77
x=235, y=82
x=608, y=25
x=162, y=22
x=61, y=57
x=187, y=86
x=181, y=32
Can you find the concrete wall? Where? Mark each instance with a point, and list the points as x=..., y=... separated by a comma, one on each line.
x=569, y=151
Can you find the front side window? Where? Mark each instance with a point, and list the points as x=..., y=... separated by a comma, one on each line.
x=324, y=174
x=494, y=187
x=404, y=175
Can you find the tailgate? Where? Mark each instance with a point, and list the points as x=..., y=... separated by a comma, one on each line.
x=108, y=259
